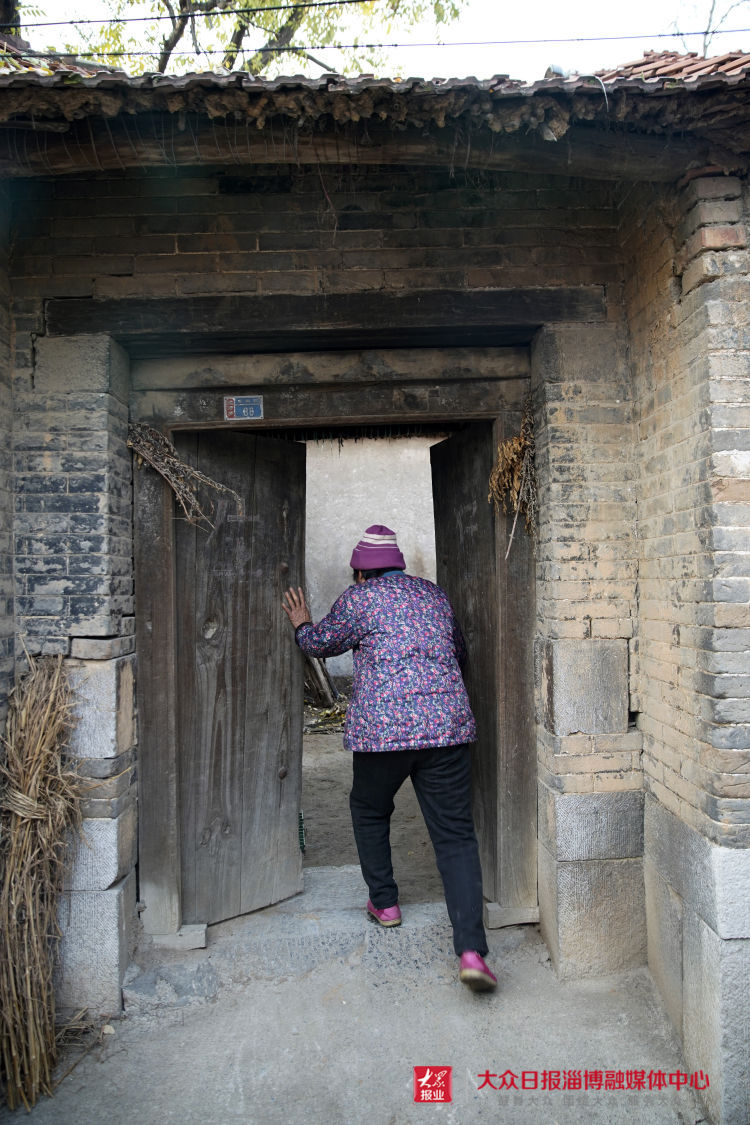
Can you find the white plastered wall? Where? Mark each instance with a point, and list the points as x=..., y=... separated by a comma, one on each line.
x=356, y=484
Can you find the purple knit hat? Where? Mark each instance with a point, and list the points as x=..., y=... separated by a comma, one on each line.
x=377, y=548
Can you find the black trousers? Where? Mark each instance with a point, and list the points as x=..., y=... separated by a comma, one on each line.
x=442, y=782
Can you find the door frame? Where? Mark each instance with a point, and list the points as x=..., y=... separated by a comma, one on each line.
x=493, y=387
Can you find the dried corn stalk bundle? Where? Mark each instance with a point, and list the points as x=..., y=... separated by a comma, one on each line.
x=513, y=477
x=39, y=809
x=157, y=451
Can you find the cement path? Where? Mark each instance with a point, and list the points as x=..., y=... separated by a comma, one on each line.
x=308, y=1014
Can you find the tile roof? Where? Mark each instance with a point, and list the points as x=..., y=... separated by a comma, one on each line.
x=700, y=105
x=670, y=64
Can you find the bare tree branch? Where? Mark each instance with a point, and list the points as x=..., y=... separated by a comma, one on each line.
x=169, y=42
x=257, y=63
x=712, y=28
x=235, y=42
x=316, y=62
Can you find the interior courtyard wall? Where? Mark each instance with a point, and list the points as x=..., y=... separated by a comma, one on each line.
x=351, y=485
x=687, y=298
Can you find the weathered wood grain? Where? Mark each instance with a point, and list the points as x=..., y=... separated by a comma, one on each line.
x=302, y=406
x=158, y=821
x=516, y=768
x=154, y=140
x=239, y=700
x=493, y=599
x=466, y=569
x=289, y=322
x=375, y=365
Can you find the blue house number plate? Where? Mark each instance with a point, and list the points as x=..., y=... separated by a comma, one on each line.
x=240, y=407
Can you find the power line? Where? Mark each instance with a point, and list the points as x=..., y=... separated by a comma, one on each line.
x=390, y=46
x=198, y=15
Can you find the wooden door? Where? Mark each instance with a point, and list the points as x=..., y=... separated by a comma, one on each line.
x=239, y=679
x=493, y=600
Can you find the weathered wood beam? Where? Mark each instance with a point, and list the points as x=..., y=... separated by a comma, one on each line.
x=326, y=406
x=149, y=140
x=376, y=365
x=340, y=321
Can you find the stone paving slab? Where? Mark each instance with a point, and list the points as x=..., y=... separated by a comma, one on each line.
x=255, y=1029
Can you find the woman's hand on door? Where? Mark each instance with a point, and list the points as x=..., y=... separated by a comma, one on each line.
x=295, y=607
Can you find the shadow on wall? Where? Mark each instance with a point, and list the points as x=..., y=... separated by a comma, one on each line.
x=351, y=486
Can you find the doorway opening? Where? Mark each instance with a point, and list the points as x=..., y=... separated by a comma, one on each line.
x=355, y=478
x=220, y=684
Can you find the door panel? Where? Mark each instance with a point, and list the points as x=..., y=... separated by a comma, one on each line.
x=493, y=600
x=239, y=679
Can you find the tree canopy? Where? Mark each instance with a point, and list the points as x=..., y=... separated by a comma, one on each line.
x=261, y=37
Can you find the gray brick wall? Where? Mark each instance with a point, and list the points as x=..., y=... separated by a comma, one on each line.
x=6, y=500
x=73, y=499
x=301, y=230
x=686, y=294
x=279, y=230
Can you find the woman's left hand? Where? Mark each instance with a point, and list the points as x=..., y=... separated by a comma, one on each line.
x=295, y=607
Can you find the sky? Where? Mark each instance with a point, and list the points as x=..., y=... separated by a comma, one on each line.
x=617, y=35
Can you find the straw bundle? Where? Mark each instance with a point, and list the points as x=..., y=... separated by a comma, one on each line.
x=39, y=807
x=513, y=478
x=156, y=450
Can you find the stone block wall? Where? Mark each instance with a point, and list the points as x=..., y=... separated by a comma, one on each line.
x=97, y=913
x=74, y=595
x=6, y=496
x=590, y=780
x=687, y=298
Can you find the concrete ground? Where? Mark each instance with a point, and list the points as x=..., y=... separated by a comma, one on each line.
x=306, y=1013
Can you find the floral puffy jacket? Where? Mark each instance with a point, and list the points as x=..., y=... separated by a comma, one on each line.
x=407, y=691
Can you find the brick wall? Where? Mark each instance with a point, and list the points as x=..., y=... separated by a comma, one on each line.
x=73, y=498
x=283, y=229
x=686, y=292
x=687, y=299
x=586, y=557
x=6, y=501
x=296, y=230
x=591, y=896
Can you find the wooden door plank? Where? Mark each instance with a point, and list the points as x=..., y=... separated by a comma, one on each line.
x=494, y=599
x=516, y=883
x=466, y=569
x=212, y=596
x=272, y=780
x=186, y=713
x=239, y=697
x=158, y=834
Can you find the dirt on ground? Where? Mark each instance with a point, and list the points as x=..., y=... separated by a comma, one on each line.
x=326, y=781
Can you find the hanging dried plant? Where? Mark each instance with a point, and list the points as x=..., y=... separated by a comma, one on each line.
x=39, y=810
x=513, y=477
x=157, y=451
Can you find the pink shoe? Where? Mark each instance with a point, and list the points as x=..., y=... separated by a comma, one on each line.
x=390, y=916
x=475, y=973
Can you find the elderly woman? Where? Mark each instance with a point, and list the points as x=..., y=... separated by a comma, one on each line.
x=409, y=716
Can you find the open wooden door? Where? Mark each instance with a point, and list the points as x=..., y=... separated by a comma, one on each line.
x=494, y=602
x=239, y=679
